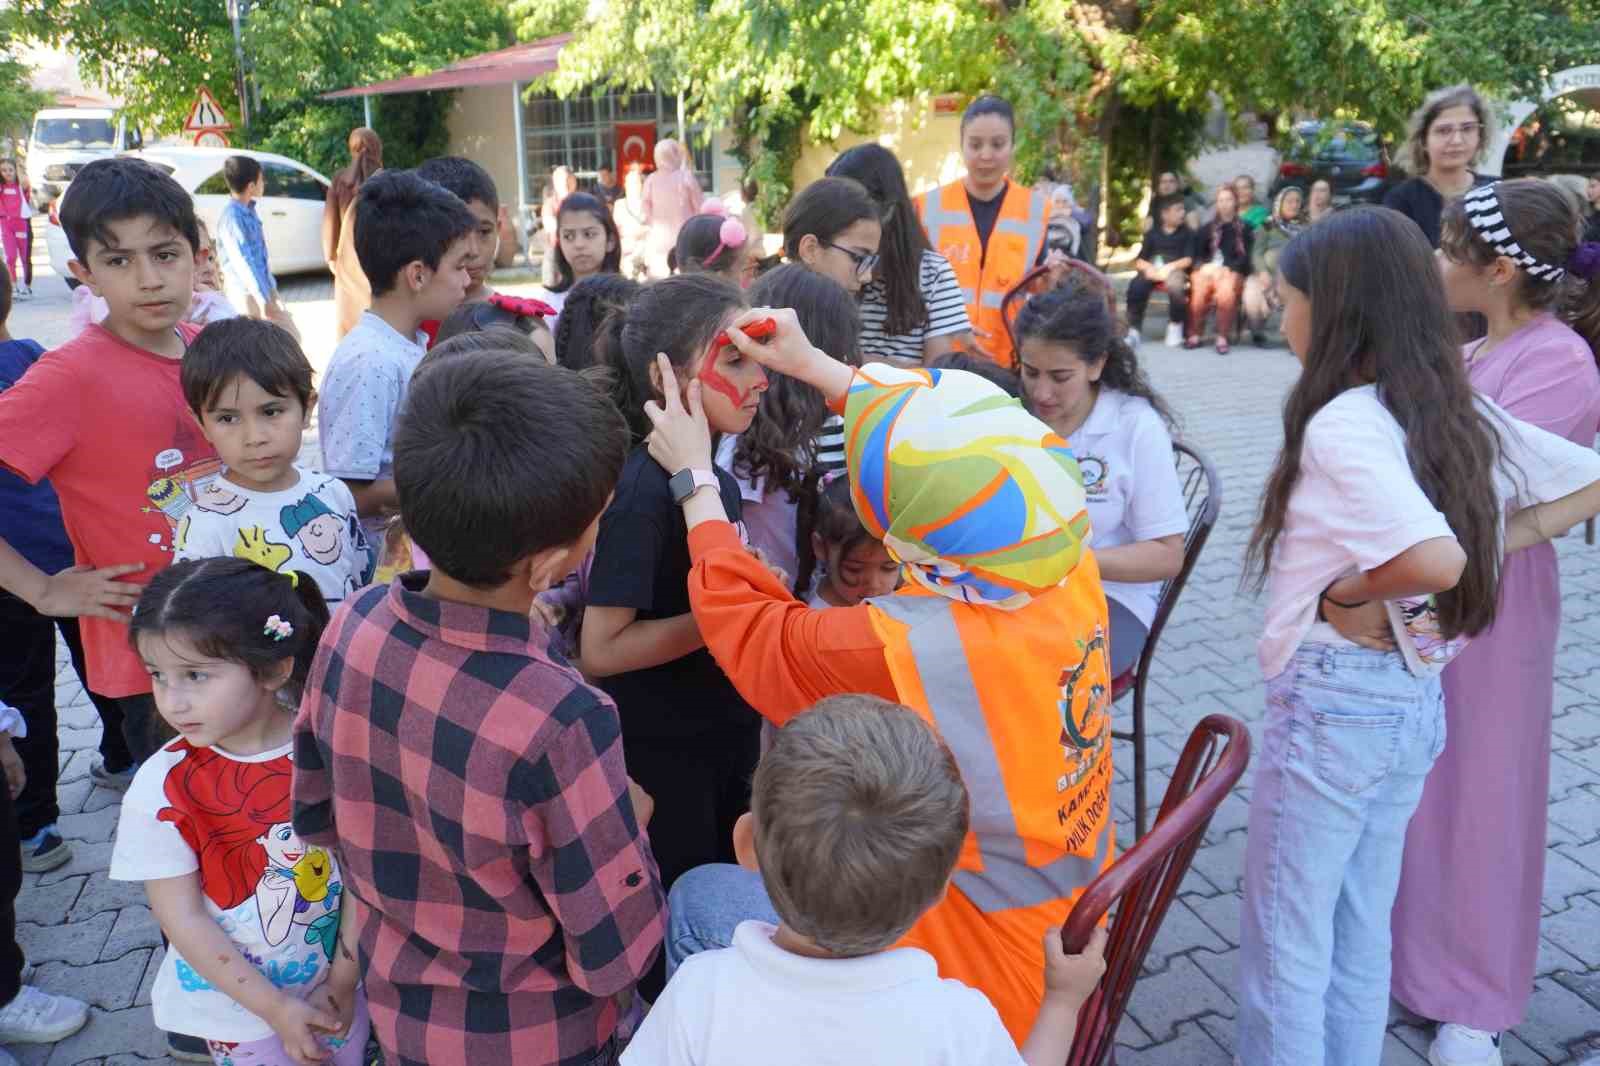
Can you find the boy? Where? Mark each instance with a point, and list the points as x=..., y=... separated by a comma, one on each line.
x=472, y=184
x=411, y=240
x=103, y=417
x=1165, y=257
x=470, y=780
x=857, y=816
x=249, y=386
x=247, y=280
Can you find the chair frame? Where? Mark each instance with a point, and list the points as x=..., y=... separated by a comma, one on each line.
x=1145, y=880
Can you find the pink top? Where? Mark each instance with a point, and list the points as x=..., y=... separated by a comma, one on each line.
x=1543, y=373
x=671, y=198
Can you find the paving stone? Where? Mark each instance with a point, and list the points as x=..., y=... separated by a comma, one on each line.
x=101, y=798
x=129, y=1031
x=1396, y=1053
x=48, y=905
x=1181, y=932
x=1221, y=863
x=78, y=943
x=92, y=828
x=1517, y=1053
x=1192, y=1046
x=1576, y=930
x=1579, y=812
x=1183, y=991
x=86, y=858
x=72, y=797
x=100, y=893
x=108, y=985
x=79, y=739
x=136, y=928
x=1220, y=912
x=143, y=998
x=1557, y=1019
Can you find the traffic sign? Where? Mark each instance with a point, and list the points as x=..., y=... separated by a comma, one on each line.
x=206, y=114
x=211, y=139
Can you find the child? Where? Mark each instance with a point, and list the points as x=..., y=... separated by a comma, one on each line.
x=857, y=816
x=470, y=781
x=472, y=184
x=586, y=306
x=1164, y=259
x=16, y=227
x=833, y=227
x=246, y=276
x=104, y=418
x=587, y=243
x=259, y=961
x=520, y=314
x=411, y=237
x=1388, y=500
x=713, y=243
x=1534, y=365
x=249, y=386
x=1222, y=252
x=210, y=304
x=855, y=566
x=689, y=739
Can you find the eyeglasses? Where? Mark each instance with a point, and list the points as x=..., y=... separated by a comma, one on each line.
x=864, y=261
x=1466, y=131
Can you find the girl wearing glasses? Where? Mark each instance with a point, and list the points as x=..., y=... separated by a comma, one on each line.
x=1448, y=135
x=832, y=227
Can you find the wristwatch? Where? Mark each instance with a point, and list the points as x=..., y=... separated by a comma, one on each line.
x=687, y=482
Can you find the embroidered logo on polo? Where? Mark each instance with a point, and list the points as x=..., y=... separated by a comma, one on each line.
x=1093, y=468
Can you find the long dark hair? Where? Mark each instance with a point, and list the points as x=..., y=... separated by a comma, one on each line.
x=829, y=511
x=678, y=316
x=1076, y=314
x=1379, y=316
x=1546, y=223
x=221, y=605
x=586, y=306
x=825, y=208
x=780, y=446
x=582, y=202
x=904, y=241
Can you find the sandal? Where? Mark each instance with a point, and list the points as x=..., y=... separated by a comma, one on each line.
x=1222, y=346
x=1191, y=343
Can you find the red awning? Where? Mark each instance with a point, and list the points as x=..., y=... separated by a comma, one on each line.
x=519, y=63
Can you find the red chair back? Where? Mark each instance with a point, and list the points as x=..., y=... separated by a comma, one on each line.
x=1144, y=881
x=1041, y=280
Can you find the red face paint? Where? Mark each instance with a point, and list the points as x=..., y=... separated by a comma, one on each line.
x=709, y=376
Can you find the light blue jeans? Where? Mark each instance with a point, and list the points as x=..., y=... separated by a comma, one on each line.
x=1348, y=738
x=707, y=904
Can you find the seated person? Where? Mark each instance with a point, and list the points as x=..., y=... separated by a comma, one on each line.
x=1255, y=214
x=857, y=816
x=1001, y=622
x=1084, y=382
x=1222, y=250
x=1164, y=258
x=1261, y=287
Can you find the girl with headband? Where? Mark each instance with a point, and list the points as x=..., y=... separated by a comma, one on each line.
x=712, y=242
x=997, y=637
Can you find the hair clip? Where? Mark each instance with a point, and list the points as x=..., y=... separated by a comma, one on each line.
x=277, y=629
x=732, y=234
x=1585, y=260
x=759, y=330
x=523, y=306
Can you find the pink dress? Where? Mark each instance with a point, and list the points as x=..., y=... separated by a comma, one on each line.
x=1466, y=921
x=671, y=198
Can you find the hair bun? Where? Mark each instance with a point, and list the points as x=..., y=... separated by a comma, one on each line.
x=713, y=205
x=1585, y=260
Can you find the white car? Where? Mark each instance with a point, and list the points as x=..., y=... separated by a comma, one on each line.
x=290, y=209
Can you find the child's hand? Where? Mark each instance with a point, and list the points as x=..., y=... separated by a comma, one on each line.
x=297, y=1023
x=16, y=774
x=337, y=1002
x=681, y=439
x=84, y=592
x=790, y=352
x=1073, y=977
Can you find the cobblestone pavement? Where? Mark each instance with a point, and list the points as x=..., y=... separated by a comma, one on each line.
x=95, y=938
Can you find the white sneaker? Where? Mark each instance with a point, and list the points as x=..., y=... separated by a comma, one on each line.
x=37, y=1017
x=1459, y=1045
x=1134, y=338
x=1174, y=335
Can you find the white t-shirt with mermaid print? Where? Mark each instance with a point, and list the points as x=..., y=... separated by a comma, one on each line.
x=226, y=817
x=312, y=526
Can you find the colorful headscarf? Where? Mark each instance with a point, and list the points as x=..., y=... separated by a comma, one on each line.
x=983, y=502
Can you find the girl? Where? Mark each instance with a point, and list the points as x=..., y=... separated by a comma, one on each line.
x=855, y=566
x=912, y=310
x=587, y=305
x=259, y=964
x=1320, y=202
x=1222, y=255
x=210, y=304
x=1534, y=365
x=1260, y=291
x=1449, y=133
x=16, y=227
x=713, y=243
x=1392, y=486
x=832, y=227
x=587, y=243
x=520, y=314
x=671, y=196
x=794, y=438
x=1082, y=380
x=687, y=735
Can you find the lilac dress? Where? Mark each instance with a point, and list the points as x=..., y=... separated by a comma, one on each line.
x=1466, y=921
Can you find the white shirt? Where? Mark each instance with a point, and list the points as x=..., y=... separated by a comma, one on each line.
x=284, y=895
x=1356, y=505
x=1131, y=484
x=757, y=1003
x=311, y=526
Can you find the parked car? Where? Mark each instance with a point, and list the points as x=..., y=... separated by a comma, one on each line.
x=290, y=209
x=1350, y=156
x=65, y=138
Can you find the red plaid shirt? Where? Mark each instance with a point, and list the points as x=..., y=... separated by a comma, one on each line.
x=473, y=788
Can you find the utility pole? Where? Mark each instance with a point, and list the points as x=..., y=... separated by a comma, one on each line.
x=236, y=15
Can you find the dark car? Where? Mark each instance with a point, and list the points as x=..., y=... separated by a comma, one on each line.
x=1349, y=156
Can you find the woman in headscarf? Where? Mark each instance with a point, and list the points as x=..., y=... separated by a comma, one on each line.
x=351, y=292
x=997, y=638
x=672, y=196
x=1261, y=287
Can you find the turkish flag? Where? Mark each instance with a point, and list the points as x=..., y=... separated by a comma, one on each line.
x=636, y=144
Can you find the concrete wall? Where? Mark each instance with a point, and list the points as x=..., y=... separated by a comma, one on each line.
x=483, y=128
x=928, y=144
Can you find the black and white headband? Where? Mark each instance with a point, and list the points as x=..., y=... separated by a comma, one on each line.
x=1482, y=207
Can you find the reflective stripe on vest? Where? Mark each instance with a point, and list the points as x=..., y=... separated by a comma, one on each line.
x=935, y=218
x=1006, y=881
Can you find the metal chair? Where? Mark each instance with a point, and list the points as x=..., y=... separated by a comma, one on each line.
x=1144, y=881
x=1202, y=495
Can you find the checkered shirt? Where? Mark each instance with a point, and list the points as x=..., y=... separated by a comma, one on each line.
x=473, y=788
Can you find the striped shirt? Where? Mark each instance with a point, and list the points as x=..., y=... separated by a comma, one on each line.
x=830, y=441
x=947, y=313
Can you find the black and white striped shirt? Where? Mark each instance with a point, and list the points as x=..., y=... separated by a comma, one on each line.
x=947, y=313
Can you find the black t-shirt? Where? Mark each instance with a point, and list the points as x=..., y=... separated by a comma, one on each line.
x=985, y=213
x=1422, y=204
x=641, y=560
x=1161, y=247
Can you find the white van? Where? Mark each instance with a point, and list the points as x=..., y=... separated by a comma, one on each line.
x=65, y=138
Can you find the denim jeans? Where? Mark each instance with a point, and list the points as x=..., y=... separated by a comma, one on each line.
x=1348, y=738
x=707, y=904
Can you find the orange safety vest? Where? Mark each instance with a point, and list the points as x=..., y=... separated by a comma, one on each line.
x=1022, y=698
x=986, y=277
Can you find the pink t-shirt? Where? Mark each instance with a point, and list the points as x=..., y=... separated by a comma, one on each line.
x=106, y=422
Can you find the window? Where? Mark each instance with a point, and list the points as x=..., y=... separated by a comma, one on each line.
x=215, y=185
x=579, y=132
x=74, y=133
x=296, y=184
